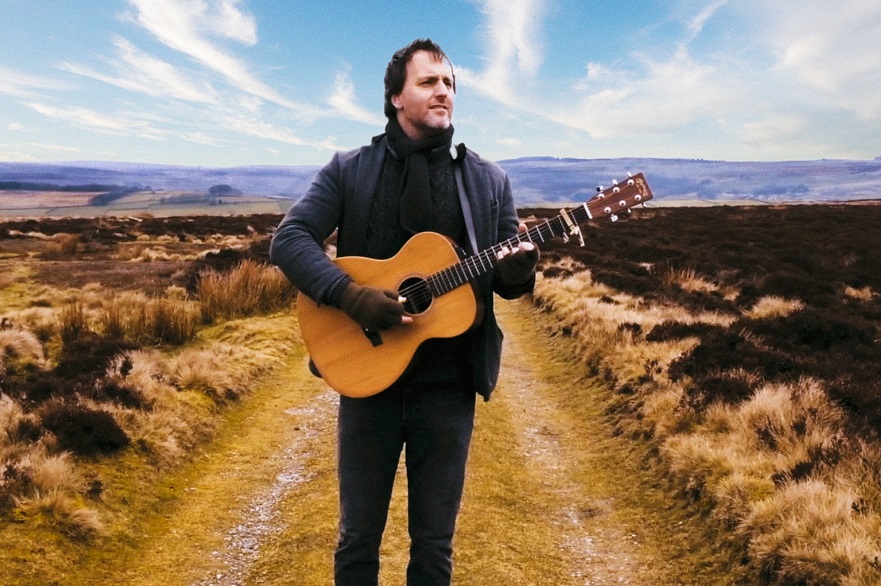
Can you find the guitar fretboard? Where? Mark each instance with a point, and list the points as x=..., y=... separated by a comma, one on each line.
x=481, y=263
x=607, y=203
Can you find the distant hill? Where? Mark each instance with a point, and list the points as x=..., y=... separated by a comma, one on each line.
x=535, y=180
x=549, y=179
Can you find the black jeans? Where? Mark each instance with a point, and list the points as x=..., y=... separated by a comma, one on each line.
x=434, y=422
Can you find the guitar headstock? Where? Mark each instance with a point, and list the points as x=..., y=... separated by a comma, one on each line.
x=619, y=198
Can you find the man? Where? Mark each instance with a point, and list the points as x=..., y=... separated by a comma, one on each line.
x=408, y=180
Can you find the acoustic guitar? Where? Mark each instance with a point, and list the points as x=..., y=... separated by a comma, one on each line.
x=436, y=282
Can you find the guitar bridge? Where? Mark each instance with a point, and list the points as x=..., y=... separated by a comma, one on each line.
x=374, y=336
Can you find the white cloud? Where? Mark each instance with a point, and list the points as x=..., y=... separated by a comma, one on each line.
x=652, y=96
x=81, y=116
x=259, y=129
x=55, y=147
x=228, y=21
x=514, y=48
x=18, y=84
x=143, y=73
x=346, y=103
x=186, y=25
x=830, y=48
x=99, y=122
x=759, y=78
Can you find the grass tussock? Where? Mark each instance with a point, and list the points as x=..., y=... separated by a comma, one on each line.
x=689, y=280
x=773, y=306
x=20, y=346
x=43, y=487
x=861, y=293
x=150, y=320
x=779, y=463
x=251, y=288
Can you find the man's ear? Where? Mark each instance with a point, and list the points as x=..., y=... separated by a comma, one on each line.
x=396, y=101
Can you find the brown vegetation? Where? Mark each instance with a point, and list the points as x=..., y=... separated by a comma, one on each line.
x=744, y=342
x=99, y=349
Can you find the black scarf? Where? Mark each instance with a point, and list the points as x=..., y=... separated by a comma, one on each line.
x=416, y=208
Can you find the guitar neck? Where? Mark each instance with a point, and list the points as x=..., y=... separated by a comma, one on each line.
x=483, y=262
x=607, y=203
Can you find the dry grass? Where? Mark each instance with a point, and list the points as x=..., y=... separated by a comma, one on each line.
x=689, y=280
x=863, y=293
x=21, y=347
x=41, y=321
x=773, y=306
x=73, y=322
x=251, y=288
x=812, y=533
x=184, y=392
x=602, y=321
x=150, y=320
x=45, y=487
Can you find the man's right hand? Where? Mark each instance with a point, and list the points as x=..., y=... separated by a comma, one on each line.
x=372, y=308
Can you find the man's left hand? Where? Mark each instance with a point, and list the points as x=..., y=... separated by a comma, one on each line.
x=516, y=265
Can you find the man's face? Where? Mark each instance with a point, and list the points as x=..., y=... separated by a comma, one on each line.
x=425, y=104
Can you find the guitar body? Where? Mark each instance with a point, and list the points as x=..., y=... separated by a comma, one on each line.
x=356, y=363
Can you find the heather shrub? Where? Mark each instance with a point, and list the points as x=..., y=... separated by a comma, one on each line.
x=87, y=356
x=81, y=429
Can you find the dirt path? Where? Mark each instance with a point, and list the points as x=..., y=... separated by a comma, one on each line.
x=553, y=496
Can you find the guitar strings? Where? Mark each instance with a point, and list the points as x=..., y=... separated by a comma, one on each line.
x=422, y=292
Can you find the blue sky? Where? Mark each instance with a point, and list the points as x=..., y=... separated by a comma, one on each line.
x=241, y=82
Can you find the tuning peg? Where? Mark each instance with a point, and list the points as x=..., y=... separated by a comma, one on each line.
x=614, y=217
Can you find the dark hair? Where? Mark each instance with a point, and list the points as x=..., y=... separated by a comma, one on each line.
x=396, y=71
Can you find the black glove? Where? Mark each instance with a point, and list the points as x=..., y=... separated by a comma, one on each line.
x=371, y=308
x=517, y=267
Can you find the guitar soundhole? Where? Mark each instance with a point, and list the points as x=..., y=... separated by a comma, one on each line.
x=417, y=293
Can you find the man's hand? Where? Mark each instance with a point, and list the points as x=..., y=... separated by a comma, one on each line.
x=372, y=308
x=517, y=264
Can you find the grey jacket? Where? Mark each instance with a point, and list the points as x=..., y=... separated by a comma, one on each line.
x=340, y=199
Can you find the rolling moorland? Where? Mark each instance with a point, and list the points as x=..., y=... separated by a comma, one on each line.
x=167, y=190
x=739, y=345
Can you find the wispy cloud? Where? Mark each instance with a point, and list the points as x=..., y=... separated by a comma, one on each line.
x=346, y=103
x=188, y=26
x=652, y=95
x=232, y=106
x=825, y=47
x=514, y=49
x=99, y=122
x=260, y=129
x=140, y=72
x=765, y=84
x=25, y=85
